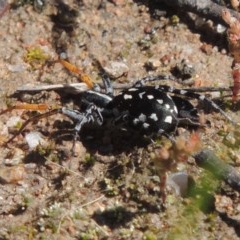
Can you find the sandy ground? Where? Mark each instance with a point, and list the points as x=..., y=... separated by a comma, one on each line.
x=112, y=188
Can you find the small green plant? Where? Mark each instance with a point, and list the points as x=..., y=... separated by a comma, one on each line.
x=201, y=201
x=36, y=57
x=89, y=160
x=174, y=20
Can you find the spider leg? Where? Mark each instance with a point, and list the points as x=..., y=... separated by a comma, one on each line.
x=91, y=115
x=197, y=96
x=185, y=109
x=86, y=79
x=184, y=92
x=143, y=81
x=105, y=79
x=107, y=85
x=83, y=76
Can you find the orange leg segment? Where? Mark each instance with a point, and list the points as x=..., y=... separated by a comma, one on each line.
x=83, y=77
x=27, y=106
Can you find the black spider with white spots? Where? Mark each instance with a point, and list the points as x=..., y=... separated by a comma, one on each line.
x=150, y=110
x=147, y=109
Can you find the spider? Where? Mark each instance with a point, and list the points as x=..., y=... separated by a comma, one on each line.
x=147, y=109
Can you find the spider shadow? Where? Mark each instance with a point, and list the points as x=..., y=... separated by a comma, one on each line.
x=112, y=142
x=114, y=217
x=101, y=139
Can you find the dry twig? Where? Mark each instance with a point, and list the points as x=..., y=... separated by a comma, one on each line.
x=204, y=8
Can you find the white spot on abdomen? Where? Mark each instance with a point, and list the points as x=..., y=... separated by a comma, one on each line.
x=183, y=92
x=154, y=117
x=141, y=94
x=145, y=125
x=136, y=121
x=167, y=106
x=168, y=119
x=127, y=96
x=202, y=97
x=132, y=89
x=150, y=96
x=142, y=117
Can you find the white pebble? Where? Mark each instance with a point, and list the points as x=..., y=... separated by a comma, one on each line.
x=33, y=139
x=13, y=121
x=179, y=182
x=16, y=67
x=116, y=69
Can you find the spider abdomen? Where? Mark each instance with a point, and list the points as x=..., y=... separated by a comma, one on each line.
x=146, y=109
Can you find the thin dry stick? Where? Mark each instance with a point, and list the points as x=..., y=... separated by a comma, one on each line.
x=204, y=8
x=73, y=88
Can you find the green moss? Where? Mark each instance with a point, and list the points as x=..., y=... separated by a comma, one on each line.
x=201, y=201
x=154, y=38
x=149, y=236
x=53, y=226
x=23, y=232
x=126, y=50
x=79, y=215
x=91, y=234
x=174, y=20
x=149, y=53
x=27, y=200
x=45, y=150
x=18, y=125
x=89, y=160
x=84, y=237
x=111, y=188
x=36, y=56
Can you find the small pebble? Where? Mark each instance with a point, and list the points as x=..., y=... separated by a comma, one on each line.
x=16, y=158
x=224, y=204
x=13, y=121
x=33, y=139
x=179, y=182
x=12, y=174
x=3, y=129
x=220, y=28
x=152, y=64
x=16, y=67
x=116, y=69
